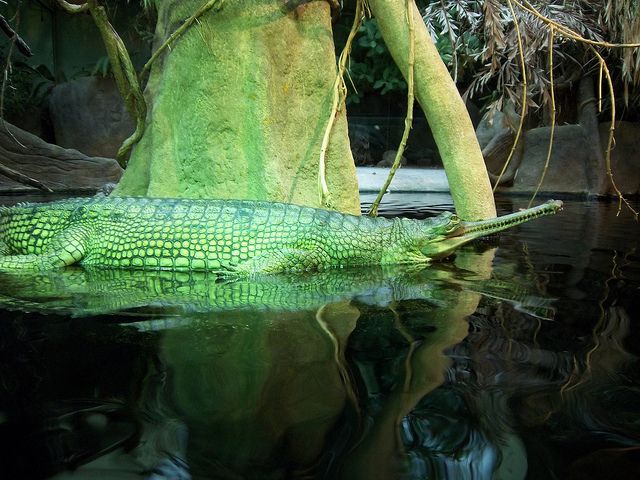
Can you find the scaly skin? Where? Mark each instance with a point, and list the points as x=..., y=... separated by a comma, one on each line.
x=90, y=291
x=225, y=236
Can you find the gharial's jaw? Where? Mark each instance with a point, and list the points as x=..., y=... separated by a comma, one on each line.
x=467, y=231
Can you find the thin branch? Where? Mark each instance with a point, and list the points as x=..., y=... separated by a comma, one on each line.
x=600, y=89
x=14, y=37
x=408, y=121
x=179, y=31
x=524, y=96
x=71, y=8
x=7, y=67
x=610, y=141
x=125, y=76
x=567, y=32
x=140, y=105
x=339, y=94
x=5, y=77
x=23, y=179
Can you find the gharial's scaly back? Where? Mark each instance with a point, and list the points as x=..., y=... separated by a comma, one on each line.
x=197, y=234
x=229, y=236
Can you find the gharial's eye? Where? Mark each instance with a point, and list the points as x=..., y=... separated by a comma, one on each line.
x=453, y=223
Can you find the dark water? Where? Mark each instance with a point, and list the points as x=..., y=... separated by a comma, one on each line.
x=517, y=359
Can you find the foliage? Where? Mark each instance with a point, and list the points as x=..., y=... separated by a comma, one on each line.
x=460, y=47
x=26, y=86
x=478, y=42
x=621, y=21
x=485, y=58
x=371, y=68
x=497, y=71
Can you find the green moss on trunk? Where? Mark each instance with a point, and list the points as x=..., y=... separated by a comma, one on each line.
x=238, y=107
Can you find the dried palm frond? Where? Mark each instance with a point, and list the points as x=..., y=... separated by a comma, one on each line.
x=497, y=71
x=493, y=31
x=621, y=20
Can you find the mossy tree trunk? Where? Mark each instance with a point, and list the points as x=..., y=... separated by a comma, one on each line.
x=238, y=107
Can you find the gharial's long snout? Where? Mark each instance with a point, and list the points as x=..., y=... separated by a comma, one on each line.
x=464, y=231
x=494, y=225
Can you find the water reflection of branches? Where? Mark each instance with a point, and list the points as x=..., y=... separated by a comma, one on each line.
x=580, y=385
x=607, y=335
x=338, y=346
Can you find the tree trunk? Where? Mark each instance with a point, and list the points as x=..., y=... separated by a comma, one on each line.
x=238, y=107
x=445, y=111
x=588, y=119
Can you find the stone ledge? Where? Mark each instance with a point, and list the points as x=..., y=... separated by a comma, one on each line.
x=371, y=179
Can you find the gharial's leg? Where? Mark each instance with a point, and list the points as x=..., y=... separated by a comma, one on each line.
x=276, y=261
x=66, y=248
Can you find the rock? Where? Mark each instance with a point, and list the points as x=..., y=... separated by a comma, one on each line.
x=577, y=164
x=89, y=115
x=624, y=158
x=388, y=157
x=566, y=172
x=492, y=126
x=571, y=161
x=60, y=169
x=495, y=154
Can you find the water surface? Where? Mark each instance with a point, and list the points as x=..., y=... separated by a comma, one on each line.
x=516, y=359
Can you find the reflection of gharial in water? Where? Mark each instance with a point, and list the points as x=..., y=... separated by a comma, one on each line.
x=82, y=292
x=230, y=237
x=265, y=390
x=268, y=370
x=278, y=392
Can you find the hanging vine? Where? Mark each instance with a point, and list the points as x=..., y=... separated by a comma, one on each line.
x=591, y=45
x=523, y=68
x=338, y=102
x=179, y=31
x=408, y=121
x=552, y=120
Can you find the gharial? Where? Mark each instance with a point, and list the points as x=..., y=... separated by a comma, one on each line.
x=231, y=237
